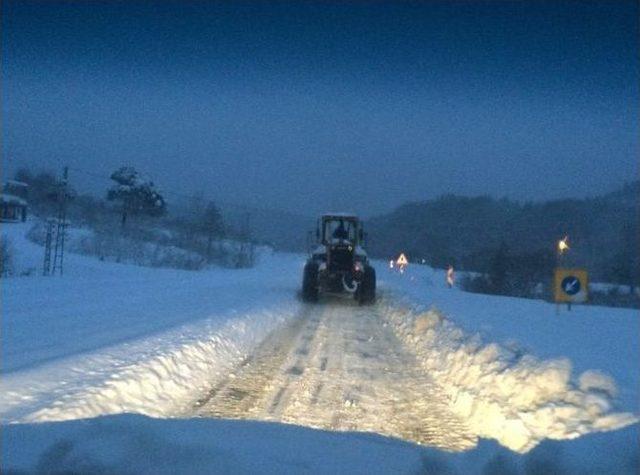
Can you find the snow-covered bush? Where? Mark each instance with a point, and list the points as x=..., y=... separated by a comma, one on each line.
x=614, y=297
x=125, y=249
x=119, y=247
x=152, y=247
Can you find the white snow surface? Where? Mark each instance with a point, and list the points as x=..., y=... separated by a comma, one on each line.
x=109, y=338
x=133, y=444
x=12, y=199
x=588, y=337
x=156, y=376
x=81, y=351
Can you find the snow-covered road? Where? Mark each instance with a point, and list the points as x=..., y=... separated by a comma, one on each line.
x=339, y=367
x=426, y=364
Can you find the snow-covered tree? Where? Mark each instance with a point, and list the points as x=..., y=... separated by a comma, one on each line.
x=138, y=195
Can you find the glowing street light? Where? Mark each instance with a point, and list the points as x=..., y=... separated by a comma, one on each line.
x=563, y=245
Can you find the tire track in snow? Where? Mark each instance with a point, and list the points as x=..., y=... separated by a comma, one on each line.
x=340, y=367
x=236, y=395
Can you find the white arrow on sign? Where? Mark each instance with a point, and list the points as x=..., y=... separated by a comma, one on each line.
x=570, y=285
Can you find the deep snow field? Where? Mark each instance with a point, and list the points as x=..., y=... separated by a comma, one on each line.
x=101, y=367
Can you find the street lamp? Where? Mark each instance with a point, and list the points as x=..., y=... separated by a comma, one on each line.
x=563, y=245
x=562, y=248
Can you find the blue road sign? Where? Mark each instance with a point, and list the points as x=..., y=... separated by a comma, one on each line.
x=570, y=285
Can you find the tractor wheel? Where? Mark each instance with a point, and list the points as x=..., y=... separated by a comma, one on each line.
x=367, y=292
x=310, y=283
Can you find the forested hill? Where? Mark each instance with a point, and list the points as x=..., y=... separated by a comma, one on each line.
x=603, y=231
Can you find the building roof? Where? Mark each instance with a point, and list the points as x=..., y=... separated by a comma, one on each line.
x=12, y=199
x=21, y=184
x=340, y=215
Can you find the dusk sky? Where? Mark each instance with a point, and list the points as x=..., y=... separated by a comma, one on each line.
x=313, y=106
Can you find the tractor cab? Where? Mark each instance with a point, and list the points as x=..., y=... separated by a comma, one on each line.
x=340, y=235
x=335, y=228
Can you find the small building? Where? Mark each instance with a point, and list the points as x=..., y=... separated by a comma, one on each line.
x=13, y=202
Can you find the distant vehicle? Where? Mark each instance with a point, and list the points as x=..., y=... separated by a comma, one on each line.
x=338, y=263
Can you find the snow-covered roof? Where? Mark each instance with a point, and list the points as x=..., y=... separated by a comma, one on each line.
x=16, y=183
x=340, y=215
x=12, y=199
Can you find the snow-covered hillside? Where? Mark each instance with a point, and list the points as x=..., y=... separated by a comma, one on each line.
x=523, y=387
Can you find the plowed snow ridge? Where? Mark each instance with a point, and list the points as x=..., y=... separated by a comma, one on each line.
x=503, y=393
x=157, y=376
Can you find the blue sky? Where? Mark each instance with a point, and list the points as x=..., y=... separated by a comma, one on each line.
x=308, y=106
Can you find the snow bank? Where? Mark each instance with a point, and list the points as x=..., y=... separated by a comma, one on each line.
x=128, y=444
x=109, y=338
x=590, y=336
x=156, y=376
x=137, y=444
x=504, y=393
x=26, y=257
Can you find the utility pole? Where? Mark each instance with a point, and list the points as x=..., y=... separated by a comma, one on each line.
x=46, y=268
x=58, y=254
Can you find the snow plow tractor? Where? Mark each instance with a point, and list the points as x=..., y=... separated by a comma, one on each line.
x=338, y=263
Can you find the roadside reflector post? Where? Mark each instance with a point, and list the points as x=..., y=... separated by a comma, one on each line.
x=450, y=277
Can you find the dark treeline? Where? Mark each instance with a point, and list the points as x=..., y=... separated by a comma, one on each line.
x=500, y=237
